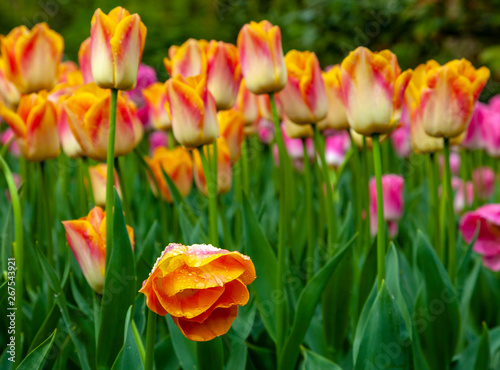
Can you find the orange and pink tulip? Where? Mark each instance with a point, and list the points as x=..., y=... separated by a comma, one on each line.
x=98, y=176
x=224, y=170
x=155, y=96
x=187, y=60
x=231, y=123
x=336, y=117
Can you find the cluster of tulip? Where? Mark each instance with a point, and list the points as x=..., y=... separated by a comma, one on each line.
x=201, y=125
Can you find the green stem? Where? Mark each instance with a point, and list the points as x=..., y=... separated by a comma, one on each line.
x=171, y=140
x=381, y=247
x=330, y=214
x=452, y=248
x=124, y=191
x=309, y=214
x=225, y=229
x=212, y=197
x=47, y=204
x=366, y=193
x=280, y=284
x=138, y=341
x=244, y=166
x=110, y=196
x=434, y=209
x=85, y=164
x=18, y=252
x=150, y=341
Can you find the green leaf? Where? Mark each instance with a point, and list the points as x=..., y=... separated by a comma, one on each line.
x=385, y=341
x=307, y=302
x=258, y=248
x=184, y=349
x=210, y=354
x=313, y=361
x=49, y=323
x=36, y=358
x=437, y=310
x=118, y=294
x=477, y=355
x=465, y=299
x=363, y=318
x=129, y=357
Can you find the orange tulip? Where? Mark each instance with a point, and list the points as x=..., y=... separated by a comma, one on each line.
x=9, y=94
x=200, y=286
x=155, y=96
x=224, y=171
x=98, y=178
x=84, y=61
x=88, y=117
x=31, y=58
x=231, y=124
x=187, y=60
x=116, y=45
x=34, y=126
x=295, y=131
x=246, y=103
x=261, y=57
x=87, y=239
x=443, y=97
x=336, y=117
x=192, y=110
x=368, y=88
x=304, y=97
x=177, y=164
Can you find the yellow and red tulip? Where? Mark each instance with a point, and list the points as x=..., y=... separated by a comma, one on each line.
x=295, y=131
x=224, y=170
x=88, y=117
x=31, y=58
x=84, y=61
x=200, y=286
x=246, y=103
x=192, y=110
x=35, y=126
x=9, y=94
x=177, y=164
x=155, y=96
x=443, y=97
x=261, y=57
x=187, y=60
x=368, y=89
x=336, y=117
x=304, y=97
x=87, y=239
x=231, y=123
x=116, y=44
x=98, y=178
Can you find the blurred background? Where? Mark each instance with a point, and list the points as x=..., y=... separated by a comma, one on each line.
x=415, y=30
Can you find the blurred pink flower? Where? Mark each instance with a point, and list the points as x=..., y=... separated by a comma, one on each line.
x=401, y=141
x=392, y=188
x=336, y=147
x=13, y=148
x=295, y=150
x=265, y=130
x=17, y=181
x=157, y=139
x=145, y=77
x=492, y=128
x=485, y=220
x=484, y=180
x=463, y=194
x=475, y=135
x=454, y=163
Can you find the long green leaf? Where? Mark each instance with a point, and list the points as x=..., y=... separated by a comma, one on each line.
x=118, y=294
x=36, y=358
x=129, y=357
x=313, y=361
x=184, y=349
x=308, y=300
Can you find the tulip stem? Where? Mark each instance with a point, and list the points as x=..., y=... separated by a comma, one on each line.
x=18, y=253
x=244, y=165
x=434, y=209
x=150, y=341
x=47, y=201
x=448, y=194
x=377, y=162
x=309, y=214
x=124, y=191
x=212, y=196
x=320, y=149
x=110, y=197
x=280, y=283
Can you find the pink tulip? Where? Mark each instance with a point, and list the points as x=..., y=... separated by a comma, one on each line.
x=13, y=148
x=157, y=139
x=401, y=141
x=265, y=130
x=475, y=135
x=486, y=221
x=146, y=76
x=295, y=150
x=464, y=194
x=336, y=147
x=392, y=188
x=454, y=163
x=484, y=180
x=492, y=128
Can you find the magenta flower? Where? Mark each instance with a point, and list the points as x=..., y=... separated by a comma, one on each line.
x=295, y=150
x=265, y=130
x=13, y=148
x=475, y=135
x=464, y=194
x=392, y=188
x=336, y=147
x=484, y=180
x=157, y=139
x=492, y=128
x=486, y=221
x=401, y=141
x=145, y=77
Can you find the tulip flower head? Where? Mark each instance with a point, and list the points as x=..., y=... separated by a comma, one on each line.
x=492, y=128
x=336, y=147
x=84, y=61
x=157, y=139
x=247, y=103
x=155, y=96
x=486, y=221
x=177, y=164
x=35, y=127
x=475, y=136
x=31, y=58
x=116, y=44
x=224, y=170
x=9, y=94
x=192, y=110
x=98, y=176
x=87, y=239
x=392, y=188
x=295, y=131
x=261, y=57
x=401, y=141
x=484, y=181
x=336, y=117
x=443, y=97
x=7, y=136
x=146, y=76
x=265, y=131
x=187, y=60
x=463, y=194
x=87, y=111
x=200, y=286
x=231, y=124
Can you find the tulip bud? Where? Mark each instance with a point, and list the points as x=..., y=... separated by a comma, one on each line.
x=224, y=171
x=392, y=189
x=304, y=97
x=295, y=131
x=187, y=60
x=155, y=96
x=98, y=176
x=475, y=136
x=336, y=147
x=401, y=141
x=192, y=110
x=116, y=45
x=84, y=61
x=9, y=94
x=261, y=57
x=246, y=103
x=336, y=117
x=177, y=164
x=484, y=181
x=231, y=124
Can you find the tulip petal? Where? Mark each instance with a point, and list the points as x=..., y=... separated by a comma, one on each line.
x=42, y=139
x=101, y=55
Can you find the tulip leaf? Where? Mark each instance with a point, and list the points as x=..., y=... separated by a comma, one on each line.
x=477, y=355
x=184, y=349
x=385, y=340
x=49, y=323
x=437, y=309
x=306, y=305
x=465, y=299
x=313, y=361
x=258, y=248
x=36, y=358
x=363, y=318
x=129, y=357
x=118, y=294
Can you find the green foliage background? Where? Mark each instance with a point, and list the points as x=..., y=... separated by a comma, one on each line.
x=416, y=30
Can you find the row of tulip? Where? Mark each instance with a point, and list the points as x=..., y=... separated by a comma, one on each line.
x=325, y=124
